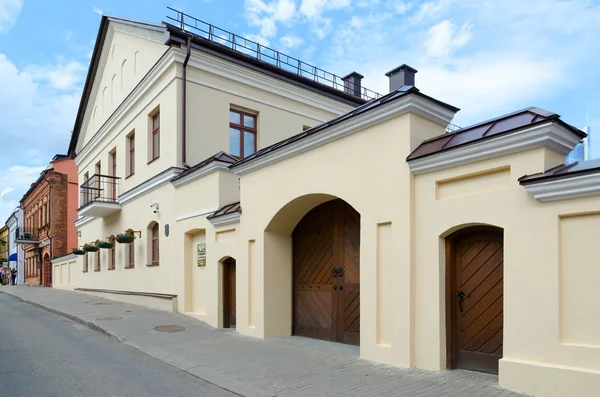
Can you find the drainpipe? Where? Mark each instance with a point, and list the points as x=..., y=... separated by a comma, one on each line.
x=184, y=104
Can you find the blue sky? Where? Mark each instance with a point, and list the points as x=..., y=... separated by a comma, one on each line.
x=486, y=57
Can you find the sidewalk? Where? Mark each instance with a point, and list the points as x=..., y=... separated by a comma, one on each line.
x=250, y=366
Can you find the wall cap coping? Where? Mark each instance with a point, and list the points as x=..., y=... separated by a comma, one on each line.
x=567, y=188
x=228, y=219
x=548, y=135
x=410, y=103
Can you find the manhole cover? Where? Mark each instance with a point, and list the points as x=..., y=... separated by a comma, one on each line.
x=169, y=328
x=109, y=318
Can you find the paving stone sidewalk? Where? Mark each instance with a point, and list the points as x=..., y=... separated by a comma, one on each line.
x=250, y=366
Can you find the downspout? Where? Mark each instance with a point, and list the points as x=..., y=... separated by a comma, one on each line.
x=184, y=105
x=48, y=235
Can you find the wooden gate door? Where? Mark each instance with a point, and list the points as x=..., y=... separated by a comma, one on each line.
x=229, y=294
x=47, y=273
x=326, y=245
x=475, y=299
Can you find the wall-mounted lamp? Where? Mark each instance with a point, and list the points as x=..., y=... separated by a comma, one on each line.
x=155, y=206
x=79, y=233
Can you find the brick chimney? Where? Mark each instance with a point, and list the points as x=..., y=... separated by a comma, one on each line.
x=400, y=76
x=352, y=84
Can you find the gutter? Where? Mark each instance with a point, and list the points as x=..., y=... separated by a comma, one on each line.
x=184, y=104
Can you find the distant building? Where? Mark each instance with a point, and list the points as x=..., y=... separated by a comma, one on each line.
x=15, y=251
x=582, y=151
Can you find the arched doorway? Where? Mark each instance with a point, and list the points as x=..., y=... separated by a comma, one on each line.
x=229, y=293
x=474, y=299
x=326, y=271
x=47, y=274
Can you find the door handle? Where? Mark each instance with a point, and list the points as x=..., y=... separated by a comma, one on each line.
x=460, y=297
x=334, y=287
x=341, y=287
x=334, y=271
x=341, y=272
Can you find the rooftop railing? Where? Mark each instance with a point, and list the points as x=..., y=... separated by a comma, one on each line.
x=260, y=52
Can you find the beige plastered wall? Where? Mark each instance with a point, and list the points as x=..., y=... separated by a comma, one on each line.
x=65, y=272
x=201, y=286
x=137, y=215
x=551, y=315
x=210, y=97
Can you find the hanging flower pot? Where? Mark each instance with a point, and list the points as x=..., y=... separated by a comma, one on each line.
x=109, y=243
x=90, y=247
x=77, y=251
x=127, y=237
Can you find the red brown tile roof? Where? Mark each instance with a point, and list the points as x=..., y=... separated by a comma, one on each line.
x=225, y=210
x=502, y=125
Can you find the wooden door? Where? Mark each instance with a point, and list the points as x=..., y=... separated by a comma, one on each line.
x=326, y=245
x=476, y=299
x=229, y=294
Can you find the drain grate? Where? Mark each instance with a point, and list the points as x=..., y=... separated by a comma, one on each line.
x=109, y=318
x=169, y=328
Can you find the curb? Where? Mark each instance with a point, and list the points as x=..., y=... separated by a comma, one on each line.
x=89, y=324
x=203, y=374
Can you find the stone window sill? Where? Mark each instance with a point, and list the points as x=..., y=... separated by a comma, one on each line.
x=152, y=264
x=111, y=268
x=129, y=267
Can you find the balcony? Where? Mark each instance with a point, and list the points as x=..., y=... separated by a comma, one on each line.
x=98, y=196
x=25, y=235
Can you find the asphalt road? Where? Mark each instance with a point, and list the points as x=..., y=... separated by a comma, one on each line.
x=43, y=354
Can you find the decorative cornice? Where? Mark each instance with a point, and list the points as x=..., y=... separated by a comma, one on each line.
x=200, y=172
x=149, y=185
x=82, y=221
x=228, y=219
x=565, y=188
x=196, y=214
x=548, y=135
x=408, y=104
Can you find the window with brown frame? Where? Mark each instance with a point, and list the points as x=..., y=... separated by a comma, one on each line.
x=131, y=255
x=97, y=261
x=131, y=148
x=111, y=262
x=155, y=136
x=242, y=133
x=155, y=252
x=85, y=263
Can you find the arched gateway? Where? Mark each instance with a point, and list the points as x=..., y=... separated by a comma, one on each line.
x=326, y=261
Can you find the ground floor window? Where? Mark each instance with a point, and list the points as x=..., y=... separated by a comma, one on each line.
x=130, y=255
x=85, y=263
x=111, y=260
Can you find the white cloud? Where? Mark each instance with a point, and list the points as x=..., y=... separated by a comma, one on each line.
x=266, y=15
x=289, y=41
x=34, y=107
x=402, y=7
x=62, y=75
x=97, y=10
x=444, y=37
x=314, y=8
x=9, y=11
x=258, y=39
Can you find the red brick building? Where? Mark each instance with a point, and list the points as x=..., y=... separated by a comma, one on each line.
x=49, y=208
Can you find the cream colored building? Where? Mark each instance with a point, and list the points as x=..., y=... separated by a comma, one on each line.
x=473, y=249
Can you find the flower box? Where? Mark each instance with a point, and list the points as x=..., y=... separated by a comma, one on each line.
x=90, y=247
x=77, y=251
x=126, y=238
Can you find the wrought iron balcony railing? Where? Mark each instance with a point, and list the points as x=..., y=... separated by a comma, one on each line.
x=99, y=188
x=26, y=235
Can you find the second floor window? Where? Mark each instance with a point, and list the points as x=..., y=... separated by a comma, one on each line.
x=156, y=136
x=242, y=133
x=131, y=148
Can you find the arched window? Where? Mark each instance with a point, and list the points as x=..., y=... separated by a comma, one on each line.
x=153, y=243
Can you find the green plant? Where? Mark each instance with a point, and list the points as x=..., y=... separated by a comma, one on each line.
x=77, y=251
x=109, y=243
x=127, y=237
x=91, y=247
